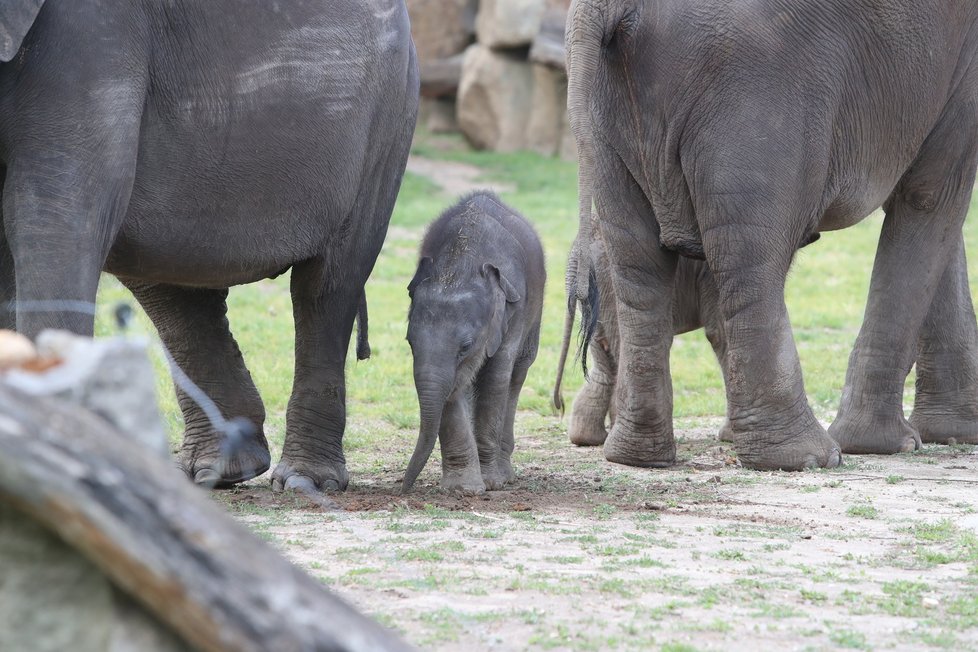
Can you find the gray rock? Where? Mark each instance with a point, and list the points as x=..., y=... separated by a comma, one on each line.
x=441, y=28
x=494, y=99
x=508, y=23
x=548, y=110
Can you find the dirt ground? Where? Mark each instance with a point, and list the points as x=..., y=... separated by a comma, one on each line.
x=583, y=554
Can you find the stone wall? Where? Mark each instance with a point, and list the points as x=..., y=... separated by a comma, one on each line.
x=494, y=70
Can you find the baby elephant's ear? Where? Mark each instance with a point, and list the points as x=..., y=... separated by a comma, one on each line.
x=425, y=271
x=491, y=271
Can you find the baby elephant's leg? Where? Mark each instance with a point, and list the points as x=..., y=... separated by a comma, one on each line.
x=494, y=419
x=459, y=457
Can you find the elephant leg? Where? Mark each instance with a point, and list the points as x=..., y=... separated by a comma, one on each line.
x=461, y=469
x=593, y=402
x=492, y=402
x=312, y=456
x=193, y=325
x=773, y=426
x=508, y=441
x=946, y=402
x=71, y=161
x=712, y=322
x=8, y=282
x=642, y=275
x=921, y=232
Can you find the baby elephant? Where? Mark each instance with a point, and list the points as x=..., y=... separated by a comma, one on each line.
x=474, y=329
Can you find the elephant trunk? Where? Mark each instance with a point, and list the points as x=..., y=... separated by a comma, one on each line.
x=585, y=31
x=431, y=398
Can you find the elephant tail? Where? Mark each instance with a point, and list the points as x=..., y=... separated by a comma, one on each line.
x=587, y=327
x=584, y=36
x=363, y=344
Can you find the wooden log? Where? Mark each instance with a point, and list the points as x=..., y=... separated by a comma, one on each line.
x=164, y=541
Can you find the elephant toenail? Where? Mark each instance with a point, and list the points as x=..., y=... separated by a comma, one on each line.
x=207, y=478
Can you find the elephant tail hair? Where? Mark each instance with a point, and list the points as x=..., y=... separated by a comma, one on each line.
x=363, y=344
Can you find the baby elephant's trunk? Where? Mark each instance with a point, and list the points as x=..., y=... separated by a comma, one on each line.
x=432, y=402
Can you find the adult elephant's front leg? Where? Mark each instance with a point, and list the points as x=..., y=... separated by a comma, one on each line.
x=643, y=275
x=920, y=235
x=946, y=403
x=312, y=456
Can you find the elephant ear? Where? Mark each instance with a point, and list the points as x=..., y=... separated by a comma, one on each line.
x=16, y=18
x=502, y=309
x=426, y=269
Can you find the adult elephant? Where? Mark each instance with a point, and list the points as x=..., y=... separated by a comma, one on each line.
x=186, y=147
x=734, y=131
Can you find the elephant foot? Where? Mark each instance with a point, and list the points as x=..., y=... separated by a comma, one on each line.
x=583, y=433
x=627, y=445
x=792, y=449
x=235, y=458
x=311, y=478
x=864, y=433
x=466, y=481
x=726, y=432
x=498, y=475
x=939, y=424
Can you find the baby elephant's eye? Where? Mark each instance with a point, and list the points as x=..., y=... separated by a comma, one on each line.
x=465, y=348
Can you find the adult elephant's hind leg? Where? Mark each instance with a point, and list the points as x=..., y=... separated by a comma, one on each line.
x=920, y=233
x=643, y=275
x=593, y=400
x=772, y=425
x=193, y=325
x=946, y=403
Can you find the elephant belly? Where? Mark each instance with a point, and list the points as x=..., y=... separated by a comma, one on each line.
x=255, y=161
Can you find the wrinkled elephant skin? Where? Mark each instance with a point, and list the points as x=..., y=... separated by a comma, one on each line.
x=735, y=132
x=186, y=147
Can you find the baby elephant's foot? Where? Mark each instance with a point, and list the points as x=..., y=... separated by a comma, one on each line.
x=218, y=461
x=467, y=481
x=498, y=475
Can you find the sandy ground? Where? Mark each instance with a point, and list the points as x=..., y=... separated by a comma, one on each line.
x=586, y=555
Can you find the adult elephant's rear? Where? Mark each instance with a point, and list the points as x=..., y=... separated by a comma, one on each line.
x=735, y=130
x=190, y=146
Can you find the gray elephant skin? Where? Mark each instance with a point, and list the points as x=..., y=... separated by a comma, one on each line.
x=694, y=307
x=474, y=330
x=186, y=147
x=733, y=132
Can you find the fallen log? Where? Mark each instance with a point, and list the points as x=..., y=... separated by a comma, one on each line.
x=163, y=541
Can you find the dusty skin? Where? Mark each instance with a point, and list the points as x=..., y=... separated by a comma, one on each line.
x=582, y=554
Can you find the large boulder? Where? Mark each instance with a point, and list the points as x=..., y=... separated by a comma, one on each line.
x=548, y=44
x=508, y=23
x=548, y=108
x=494, y=99
x=441, y=28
